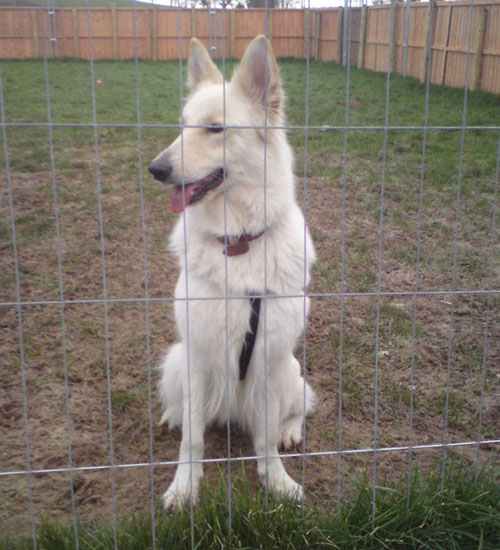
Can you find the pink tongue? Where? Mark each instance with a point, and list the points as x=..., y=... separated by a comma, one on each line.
x=176, y=198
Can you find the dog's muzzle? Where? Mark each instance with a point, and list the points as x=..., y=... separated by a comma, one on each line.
x=182, y=193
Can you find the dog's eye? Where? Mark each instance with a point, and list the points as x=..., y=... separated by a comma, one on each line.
x=215, y=128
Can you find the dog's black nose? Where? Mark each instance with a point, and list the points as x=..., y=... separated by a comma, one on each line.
x=160, y=171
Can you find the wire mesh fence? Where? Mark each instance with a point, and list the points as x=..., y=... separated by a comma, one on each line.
x=402, y=341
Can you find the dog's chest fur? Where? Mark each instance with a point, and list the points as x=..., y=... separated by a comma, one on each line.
x=274, y=262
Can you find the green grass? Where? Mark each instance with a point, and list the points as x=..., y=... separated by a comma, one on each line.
x=465, y=514
x=124, y=399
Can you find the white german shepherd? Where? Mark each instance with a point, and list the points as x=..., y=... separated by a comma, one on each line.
x=241, y=235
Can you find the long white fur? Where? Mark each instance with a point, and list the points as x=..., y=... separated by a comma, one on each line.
x=259, y=194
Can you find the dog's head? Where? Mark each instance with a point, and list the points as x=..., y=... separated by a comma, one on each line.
x=223, y=124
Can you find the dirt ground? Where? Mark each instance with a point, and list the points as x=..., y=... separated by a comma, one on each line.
x=72, y=416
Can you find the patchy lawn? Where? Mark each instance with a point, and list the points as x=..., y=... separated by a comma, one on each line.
x=435, y=378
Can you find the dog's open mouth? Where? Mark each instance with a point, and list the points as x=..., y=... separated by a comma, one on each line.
x=184, y=195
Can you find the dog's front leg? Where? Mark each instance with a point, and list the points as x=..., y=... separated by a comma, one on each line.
x=266, y=438
x=190, y=470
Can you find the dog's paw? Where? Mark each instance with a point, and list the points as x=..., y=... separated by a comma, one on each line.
x=174, y=499
x=291, y=433
x=286, y=487
x=179, y=494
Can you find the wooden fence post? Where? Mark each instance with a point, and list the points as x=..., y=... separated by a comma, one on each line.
x=35, y=32
x=340, y=34
x=114, y=31
x=406, y=37
x=476, y=72
x=233, y=36
x=317, y=29
x=426, y=58
x=307, y=29
x=155, y=34
x=74, y=17
x=193, y=22
x=448, y=26
x=362, y=38
x=270, y=26
x=392, y=38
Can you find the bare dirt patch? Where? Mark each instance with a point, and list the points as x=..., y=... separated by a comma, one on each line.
x=84, y=365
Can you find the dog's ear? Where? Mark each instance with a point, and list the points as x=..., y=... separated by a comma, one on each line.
x=200, y=67
x=259, y=78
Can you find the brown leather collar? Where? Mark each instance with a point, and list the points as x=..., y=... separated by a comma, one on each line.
x=235, y=246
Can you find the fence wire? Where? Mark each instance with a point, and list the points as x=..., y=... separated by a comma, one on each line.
x=151, y=463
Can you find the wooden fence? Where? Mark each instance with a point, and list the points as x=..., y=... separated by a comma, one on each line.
x=456, y=38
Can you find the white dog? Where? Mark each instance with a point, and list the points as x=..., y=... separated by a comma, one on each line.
x=241, y=236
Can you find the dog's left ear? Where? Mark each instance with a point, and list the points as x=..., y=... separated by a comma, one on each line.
x=259, y=78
